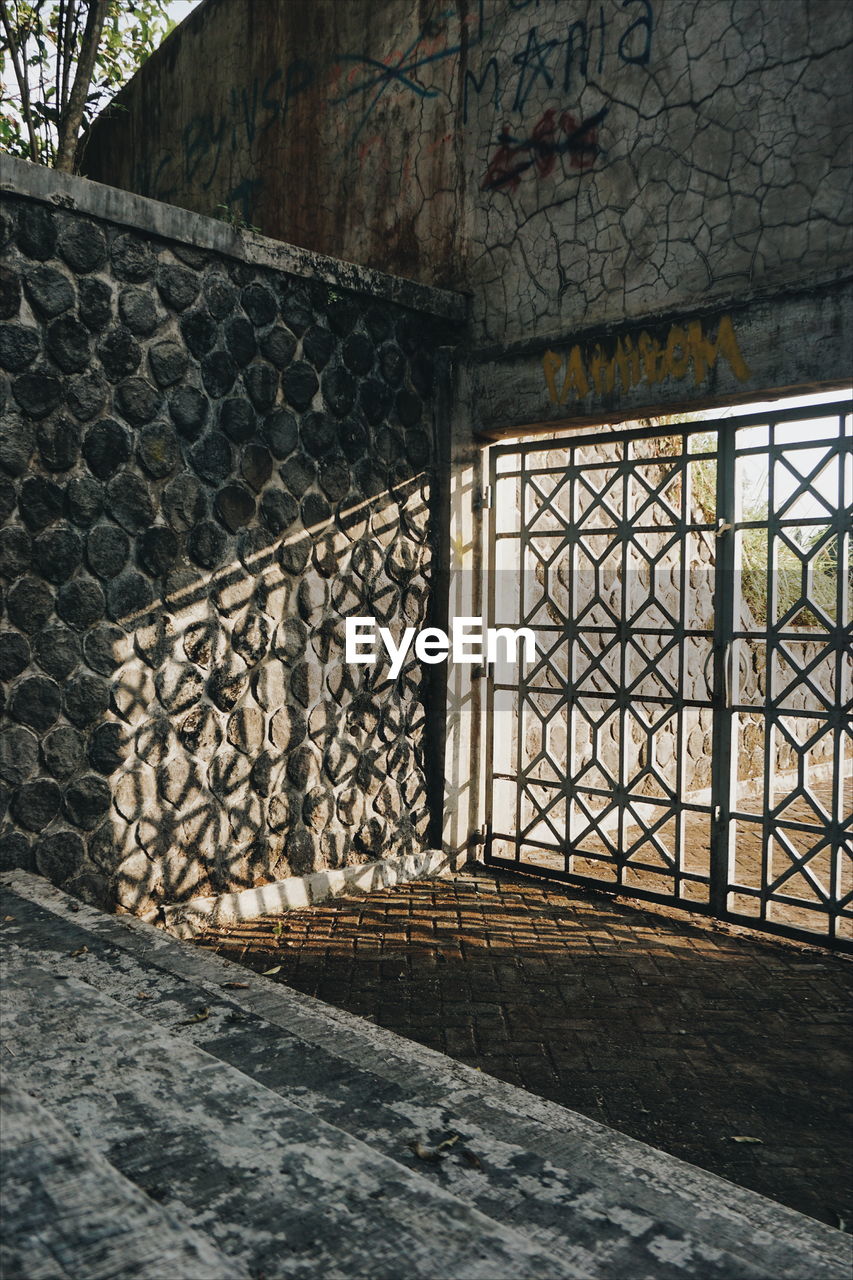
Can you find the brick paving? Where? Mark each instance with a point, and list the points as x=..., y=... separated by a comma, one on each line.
x=681, y=1033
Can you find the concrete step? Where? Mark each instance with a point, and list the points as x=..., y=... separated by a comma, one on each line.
x=67, y=1213
x=594, y=1199
x=275, y=1190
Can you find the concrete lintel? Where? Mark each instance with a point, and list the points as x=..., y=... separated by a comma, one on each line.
x=123, y=208
x=761, y=348
x=184, y=919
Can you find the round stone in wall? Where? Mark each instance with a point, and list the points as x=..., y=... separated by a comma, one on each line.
x=278, y=510
x=300, y=852
x=59, y=855
x=19, y=754
x=158, y=450
x=184, y=502
x=128, y=596
x=85, y=699
x=251, y=637
x=67, y=342
x=168, y=362
x=300, y=384
x=15, y=552
x=85, y=394
x=84, y=500
x=59, y=443
x=38, y=393
x=259, y=304
x=234, y=505
x=218, y=373
x=189, y=410
x=200, y=731
x=132, y=258
x=220, y=295
x=240, y=340
x=105, y=648
x=15, y=852
x=14, y=654
x=119, y=353
x=95, y=305
x=81, y=603
x=86, y=801
x=108, y=747
x=225, y=688
x=63, y=751
x=8, y=500
x=40, y=502
x=280, y=432
x=29, y=604
x=19, y=346
x=10, y=293
x=57, y=553
x=179, y=686
x=318, y=346
x=36, y=803
x=256, y=466
x=261, y=382
x=106, y=448
x=358, y=354
x=36, y=235
x=178, y=286
x=129, y=501
x=57, y=650
x=82, y=245
x=48, y=291
x=138, y=401
x=278, y=346
x=17, y=442
x=199, y=331
x=206, y=544
x=36, y=701
x=298, y=474
x=210, y=457
x=107, y=550
x=158, y=550
x=138, y=311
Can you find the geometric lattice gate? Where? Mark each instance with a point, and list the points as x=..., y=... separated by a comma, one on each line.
x=684, y=734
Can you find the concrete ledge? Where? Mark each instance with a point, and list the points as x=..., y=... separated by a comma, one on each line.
x=185, y=919
x=123, y=208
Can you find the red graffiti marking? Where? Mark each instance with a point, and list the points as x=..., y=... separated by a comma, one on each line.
x=515, y=156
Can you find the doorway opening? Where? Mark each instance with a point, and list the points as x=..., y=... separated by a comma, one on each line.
x=684, y=733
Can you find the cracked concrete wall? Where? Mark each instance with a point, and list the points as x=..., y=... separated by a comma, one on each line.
x=574, y=163
x=206, y=463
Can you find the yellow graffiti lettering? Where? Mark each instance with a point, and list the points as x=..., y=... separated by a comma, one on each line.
x=551, y=363
x=575, y=379
x=677, y=354
x=650, y=353
x=643, y=359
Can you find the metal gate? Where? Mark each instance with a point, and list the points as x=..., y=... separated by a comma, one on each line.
x=684, y=734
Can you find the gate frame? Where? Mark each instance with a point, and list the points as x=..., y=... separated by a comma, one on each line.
x=726, y=430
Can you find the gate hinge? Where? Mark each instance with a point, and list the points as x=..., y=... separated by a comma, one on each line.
x=483, y=500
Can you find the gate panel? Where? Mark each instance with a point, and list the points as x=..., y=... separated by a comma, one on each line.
x=624, y=758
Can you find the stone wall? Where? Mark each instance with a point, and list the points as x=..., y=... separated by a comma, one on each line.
x=206, y=462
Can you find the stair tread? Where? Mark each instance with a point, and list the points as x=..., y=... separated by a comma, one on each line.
x=67, y=1212
x=566, y=1182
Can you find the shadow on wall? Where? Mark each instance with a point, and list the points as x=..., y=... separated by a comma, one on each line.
x=209, y=465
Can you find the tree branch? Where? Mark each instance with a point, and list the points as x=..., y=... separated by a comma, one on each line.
x=72, y=117
x=23, y=83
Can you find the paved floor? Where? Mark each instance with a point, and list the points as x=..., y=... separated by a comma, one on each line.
x=731, y=1052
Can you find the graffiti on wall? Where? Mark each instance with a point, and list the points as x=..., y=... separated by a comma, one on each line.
x=602, y=368
x=451, y=56
x=548, y=140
